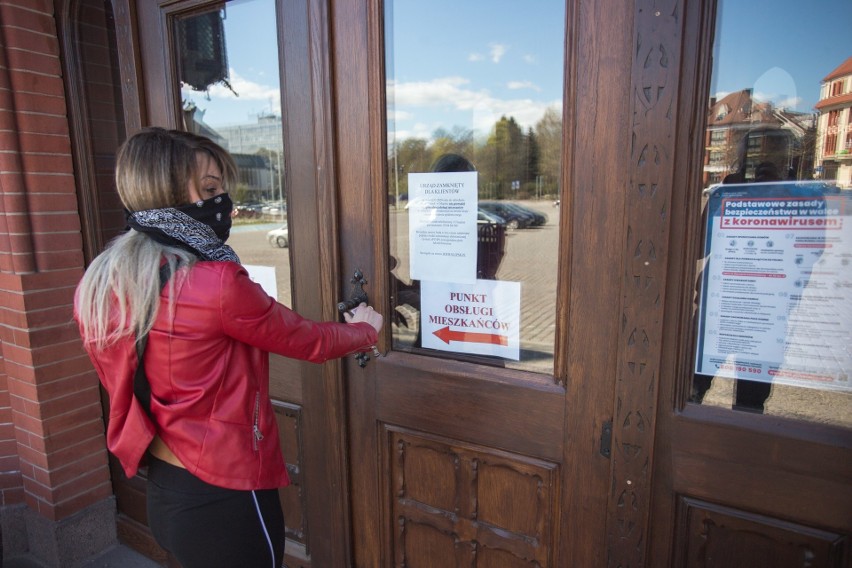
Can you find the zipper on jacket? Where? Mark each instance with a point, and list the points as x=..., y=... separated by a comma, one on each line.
x=258, y=435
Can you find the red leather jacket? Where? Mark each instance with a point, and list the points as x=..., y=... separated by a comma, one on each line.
x=208, y=365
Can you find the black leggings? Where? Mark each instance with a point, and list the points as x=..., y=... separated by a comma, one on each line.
x=205, y=526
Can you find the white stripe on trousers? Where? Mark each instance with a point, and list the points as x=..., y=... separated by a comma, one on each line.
x=265, y=531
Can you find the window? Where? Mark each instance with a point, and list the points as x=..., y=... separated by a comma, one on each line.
x=771, y=317
x=832, y=117
x=830, y=144
x=482, y=113
x=233, y=97
x=718, y=137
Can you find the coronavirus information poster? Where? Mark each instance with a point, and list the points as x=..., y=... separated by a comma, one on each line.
x=776, y=301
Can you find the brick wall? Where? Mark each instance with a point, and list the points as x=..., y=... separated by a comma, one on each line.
x=52, y=447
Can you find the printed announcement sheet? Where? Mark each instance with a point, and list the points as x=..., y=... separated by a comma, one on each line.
x=442, y=226
x=482, y=318
x=777, y=286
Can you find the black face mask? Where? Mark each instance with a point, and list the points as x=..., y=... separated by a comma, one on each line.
x=214, y=212
x=201, y=228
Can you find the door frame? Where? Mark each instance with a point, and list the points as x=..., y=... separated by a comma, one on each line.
x=628, y=364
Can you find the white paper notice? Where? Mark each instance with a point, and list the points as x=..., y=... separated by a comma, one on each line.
x=482, y=318
x=265, y=276
x=442, y=229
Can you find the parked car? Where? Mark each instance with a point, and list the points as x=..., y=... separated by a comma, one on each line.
x=515, y=219
x=248, y=210
x=279, y=237
x=483, y=216
x=539, y=219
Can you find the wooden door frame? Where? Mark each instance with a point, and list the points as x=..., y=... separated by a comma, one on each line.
x=357, y=77
x=311, y=173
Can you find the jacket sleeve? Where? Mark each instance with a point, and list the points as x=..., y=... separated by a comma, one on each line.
x=250, y=315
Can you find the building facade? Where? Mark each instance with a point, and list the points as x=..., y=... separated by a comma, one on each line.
x=834, y=130
x=588, y=445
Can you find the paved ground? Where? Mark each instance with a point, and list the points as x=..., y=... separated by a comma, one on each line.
x=116, y=557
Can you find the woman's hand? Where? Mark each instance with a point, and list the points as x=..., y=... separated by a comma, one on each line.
x=367, y=314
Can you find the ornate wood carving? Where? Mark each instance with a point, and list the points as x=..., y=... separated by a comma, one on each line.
x=712, y=535
x=459, y=505
x=657, y=32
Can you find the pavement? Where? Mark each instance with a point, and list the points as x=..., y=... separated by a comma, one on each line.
x=118, y=556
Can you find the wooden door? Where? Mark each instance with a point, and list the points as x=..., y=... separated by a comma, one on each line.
x=601, y=462
x=460, y=459
x=187, y=64
x=588, y=453
x=751, y=472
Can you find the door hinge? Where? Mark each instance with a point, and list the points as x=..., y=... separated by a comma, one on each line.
x=606, y=439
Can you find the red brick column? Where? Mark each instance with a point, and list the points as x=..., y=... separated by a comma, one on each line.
x=52, y=449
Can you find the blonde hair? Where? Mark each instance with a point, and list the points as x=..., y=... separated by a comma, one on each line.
x=119, y=295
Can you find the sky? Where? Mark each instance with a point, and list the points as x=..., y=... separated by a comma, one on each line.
x=442, y=71
x=780, y=48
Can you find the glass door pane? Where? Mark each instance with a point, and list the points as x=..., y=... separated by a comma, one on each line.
x=232, y=96
x=474, y=107
x=774, y=317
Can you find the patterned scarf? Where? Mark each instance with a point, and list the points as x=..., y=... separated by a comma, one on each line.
x=201, y=228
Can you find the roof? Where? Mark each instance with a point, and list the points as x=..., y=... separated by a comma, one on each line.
x=740, y=108
x=838, y=101
x=845, y=68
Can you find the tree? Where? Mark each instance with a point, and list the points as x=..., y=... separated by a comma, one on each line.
x=549, y=136
x=503, y=158
x=531, y=161
x=411, y=155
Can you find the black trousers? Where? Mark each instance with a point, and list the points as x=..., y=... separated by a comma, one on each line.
x=205, y=526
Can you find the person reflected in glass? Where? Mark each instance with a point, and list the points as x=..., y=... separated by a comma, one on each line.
x=774, y=162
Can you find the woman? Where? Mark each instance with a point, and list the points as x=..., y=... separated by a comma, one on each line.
x=215, y=463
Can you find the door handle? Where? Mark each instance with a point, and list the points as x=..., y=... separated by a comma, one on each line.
x=358, y=293
x=358, y=296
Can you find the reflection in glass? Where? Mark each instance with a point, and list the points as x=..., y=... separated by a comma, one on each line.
x=232, y=96
x=485, y=98
x=774, y=313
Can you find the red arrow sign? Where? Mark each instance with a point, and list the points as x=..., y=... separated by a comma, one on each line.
x=446, y=335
